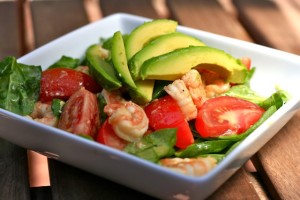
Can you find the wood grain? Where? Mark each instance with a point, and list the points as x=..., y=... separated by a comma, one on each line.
x=72, y=183
x=238, y=186
x=207, y=16
x=267, y=25
x=52, y=19
x=14, y=181
x=10, y=35
x=279, y=161
x=141, y=7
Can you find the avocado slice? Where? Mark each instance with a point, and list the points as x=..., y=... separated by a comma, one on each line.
x=161, y=45
x=175, y=64
x=119, y=59
x=103, y=72
x=146, y=32
x=142, y=94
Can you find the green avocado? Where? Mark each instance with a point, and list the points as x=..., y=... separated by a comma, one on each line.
x=135, y=41
x=161, y=45
x=142, y=34
x=174, y=65
x=119, y=59
x=142, y=94
x=103, y=72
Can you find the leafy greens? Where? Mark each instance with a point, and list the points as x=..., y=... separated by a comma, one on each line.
x=19, y=86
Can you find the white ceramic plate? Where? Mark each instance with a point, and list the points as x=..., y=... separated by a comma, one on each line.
x=274, y=68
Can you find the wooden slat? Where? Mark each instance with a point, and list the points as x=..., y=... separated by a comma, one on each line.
x=279, y=161
x=267, y=25
x=140, y=7
x=72, y=183
x=208, y=16
x=10, y=44
x=14, y=182
x=238, y=186
x=52, y=19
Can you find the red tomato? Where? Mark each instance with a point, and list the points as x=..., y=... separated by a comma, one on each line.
x=226, y=115
x=247, y=62
x=107, y=136
x=62, y=83
x=165, y=113
x=80, y=114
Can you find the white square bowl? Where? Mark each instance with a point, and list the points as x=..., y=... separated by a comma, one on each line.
x=273, y=68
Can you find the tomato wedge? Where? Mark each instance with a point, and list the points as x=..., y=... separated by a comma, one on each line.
x=165, y=113
x=226, y=115
x=80, y=114
x=107, y=136
x=63, y=82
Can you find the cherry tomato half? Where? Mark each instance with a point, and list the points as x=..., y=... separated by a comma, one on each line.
x=62, y=83
x=165, y=113
x=107, y=136
x=226, y=115
x=80, y=114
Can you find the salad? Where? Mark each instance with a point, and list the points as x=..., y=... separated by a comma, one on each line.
x=155, y=93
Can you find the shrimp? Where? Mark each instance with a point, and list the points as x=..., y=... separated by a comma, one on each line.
x=217, y=88
x=128, y=120
x=43, y=113
x=178, y=91
x=190, y=166
x=193, y=82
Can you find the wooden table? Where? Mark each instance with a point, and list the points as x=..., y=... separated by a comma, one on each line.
x=25, y=25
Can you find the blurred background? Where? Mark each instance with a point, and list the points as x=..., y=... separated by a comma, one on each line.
x=28, y=24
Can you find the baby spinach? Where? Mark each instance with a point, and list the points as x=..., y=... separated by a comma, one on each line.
x=57, y=107
x=244, y=92
x=204, y=147
x=66, y=62
x=19, y=86
x=277, y=99
x=154, y=146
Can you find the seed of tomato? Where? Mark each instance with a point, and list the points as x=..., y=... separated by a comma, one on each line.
x=61, y=83
x=226, y=115
x=80, y=114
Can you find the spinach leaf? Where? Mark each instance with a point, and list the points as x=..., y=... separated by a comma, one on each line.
x=66, y=62
x=218, y=157
x=19, y=86
x=278, y=99
x=159, y=90
x=204, y=147
x=102, y=103
x=57, y=107
x=244, y=92
x=154, y=146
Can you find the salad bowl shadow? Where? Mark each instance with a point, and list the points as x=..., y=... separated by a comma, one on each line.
x=281, y=68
